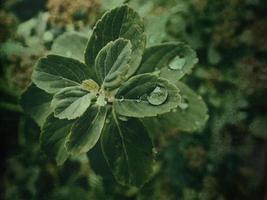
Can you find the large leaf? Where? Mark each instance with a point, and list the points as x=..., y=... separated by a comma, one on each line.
x=70, y=45
x=53, y=137
x=128, y=151
x=36, y=103
x=71, y=102
x=54, y=73
x=86, y=130
x=146, y=95
x=174, y=60
x=191, y=115
x=121, y=22
x=111, y=64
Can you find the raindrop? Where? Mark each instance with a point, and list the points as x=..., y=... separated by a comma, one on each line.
x=123, y=118
x=177, y=63
x=158, y=96
x=184, y=104
x=121, y=99
x=139, y=100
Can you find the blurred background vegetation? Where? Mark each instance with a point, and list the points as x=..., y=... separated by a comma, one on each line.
x=226, y=160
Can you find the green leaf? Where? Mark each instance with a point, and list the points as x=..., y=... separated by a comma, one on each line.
x=146, y=95
x=174, y=60
x=191, y=115
x=54, y=73
x=71, y=102
x=70, y=45
x=36, y=103
x=121, y=22
x=53, y=137
x=128, y=151
x=86, y=130
x=111, y=64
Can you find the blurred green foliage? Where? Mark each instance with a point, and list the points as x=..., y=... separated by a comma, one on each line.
x=224, y=161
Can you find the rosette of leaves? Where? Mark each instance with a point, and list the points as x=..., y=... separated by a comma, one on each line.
x=103, y=89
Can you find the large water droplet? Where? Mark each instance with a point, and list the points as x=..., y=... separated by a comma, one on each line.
x=177, y=63
x=158, y=96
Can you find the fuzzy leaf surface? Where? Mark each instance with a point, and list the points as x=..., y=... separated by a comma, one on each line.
x=112, y=63
x=54, y=73
x=86, y=130
x=120, y=22
x=174, y=60
x=71, y=102
x=70, y=45
x=133, y=99
x=53, y=137
x=128, y=151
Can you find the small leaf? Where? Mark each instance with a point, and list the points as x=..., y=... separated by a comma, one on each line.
x=86, y=130
x=53, y=136
x=121, y=22
x=128, y=151
x=54, y=73
x=71, y=102
x=146, y=95
x=36, y=103
x=71, y=45
x=111, y=64
x=191, y=114
x=174, y=60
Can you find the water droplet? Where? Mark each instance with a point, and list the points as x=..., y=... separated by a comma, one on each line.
x=158, y=96
x=154, y=150
x=139, y=100
x=123, y=118
x=177, y=63
x=107, y=121
x=121, y=99
x=183, y=106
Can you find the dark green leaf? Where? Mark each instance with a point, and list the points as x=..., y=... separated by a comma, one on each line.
x=86, y=130
x=146, y=95
x=189, y=116
x=53, y=137
x=71, y=102
x=128, y=151
x=112, y=63
x=174, y=60
x=36, y=103
x=54, y=73
x=121, y=22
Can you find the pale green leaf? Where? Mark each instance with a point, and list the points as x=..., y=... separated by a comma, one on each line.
x=53, y=137
x=86, y=130
x=121, y=22
x=174, y=60
x=128, y=150
x=71, y=102
x=54, y=73
x=146, y=95
x=191, y=114
x=70, y=45
x=36, y=103
x=112, y=63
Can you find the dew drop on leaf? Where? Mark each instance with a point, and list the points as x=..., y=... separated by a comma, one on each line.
x=177, y=63
x=158, y=96
x=121, y=99
x=123, y=118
